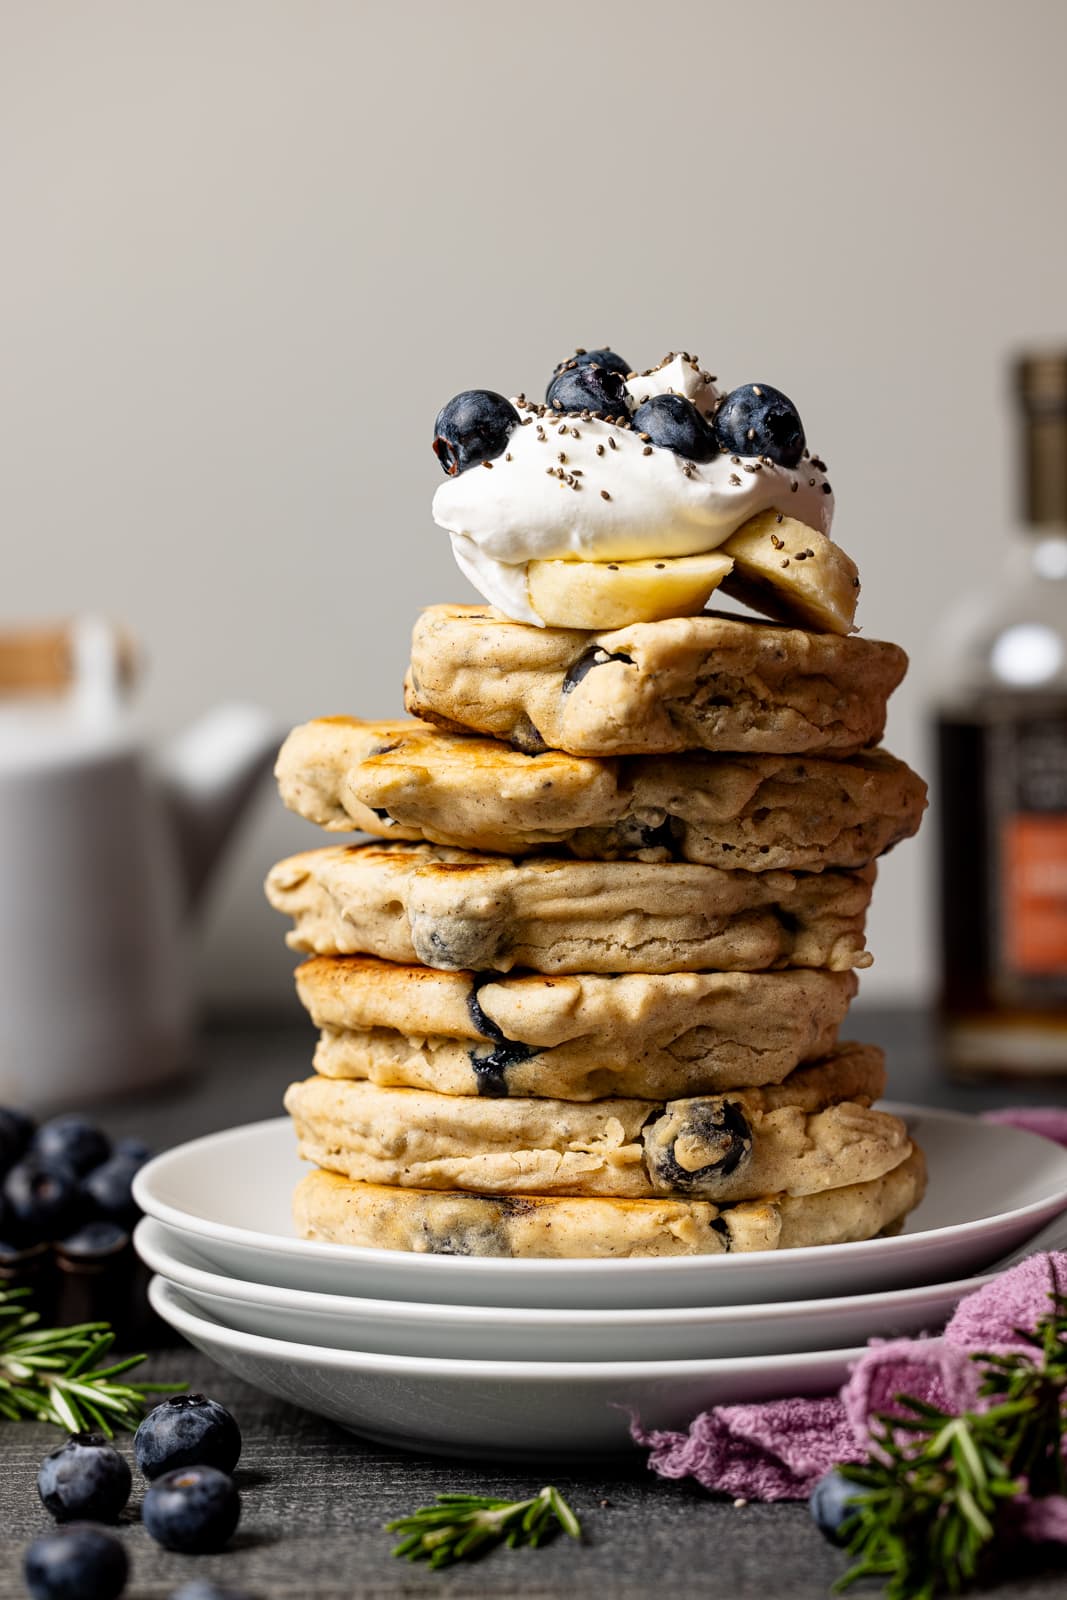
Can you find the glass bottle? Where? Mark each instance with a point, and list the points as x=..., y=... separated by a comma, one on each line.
x=1001, y=774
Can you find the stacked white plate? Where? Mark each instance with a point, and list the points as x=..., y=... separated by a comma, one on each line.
x=489, y=1357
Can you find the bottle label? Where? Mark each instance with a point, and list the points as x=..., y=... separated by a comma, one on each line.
x=1033, y=894
x=1027, y=786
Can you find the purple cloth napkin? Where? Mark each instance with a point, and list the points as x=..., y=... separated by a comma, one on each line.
x=777, y=1450
x=1048, y=1120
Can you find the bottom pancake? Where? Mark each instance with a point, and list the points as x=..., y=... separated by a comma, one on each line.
x=341, y=1211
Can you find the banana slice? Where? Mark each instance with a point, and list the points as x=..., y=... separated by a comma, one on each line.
x=792, y=573
x=611, y=594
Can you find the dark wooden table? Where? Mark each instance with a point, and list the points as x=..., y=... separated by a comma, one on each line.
x=315, y=1497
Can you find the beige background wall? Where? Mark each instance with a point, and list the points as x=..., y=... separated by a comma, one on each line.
x=250, y=247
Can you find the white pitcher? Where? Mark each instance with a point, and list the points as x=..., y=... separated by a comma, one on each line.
x=103, y=854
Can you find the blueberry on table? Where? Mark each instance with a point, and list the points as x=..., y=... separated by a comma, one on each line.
x=473, y=427
x=193, y=1510
x=757, y=420
x=109, y=1190
x=608, y=359
x=21, y=1253
x=75, y=1563
x=41, y=1197
x=72, y=1140
x=589, y=388
x=86, y=1478
x=134, y=1150
x=96, y=1241
x=16, y=1132
x=829, y=1504
x=674, y=423
x=187, y=1430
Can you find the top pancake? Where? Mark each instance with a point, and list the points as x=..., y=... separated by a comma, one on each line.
x=711, y=682
x=405, y=780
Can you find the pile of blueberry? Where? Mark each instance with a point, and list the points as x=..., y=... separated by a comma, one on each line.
x=187, y=1449
x=63, y=1184
x=754, y=420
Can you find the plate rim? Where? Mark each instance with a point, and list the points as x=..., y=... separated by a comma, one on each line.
x=427, y=1312
x=184, y=1222
x=477, y=1369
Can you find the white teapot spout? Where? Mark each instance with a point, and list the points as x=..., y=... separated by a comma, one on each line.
x=209, y=774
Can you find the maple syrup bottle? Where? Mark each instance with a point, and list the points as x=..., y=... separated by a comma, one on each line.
x=1001, y=770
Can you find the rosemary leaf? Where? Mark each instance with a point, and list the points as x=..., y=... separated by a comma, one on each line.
x=459, y=1527
x=53, y=1374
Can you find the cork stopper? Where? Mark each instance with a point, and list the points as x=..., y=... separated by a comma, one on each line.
x=1041, y=387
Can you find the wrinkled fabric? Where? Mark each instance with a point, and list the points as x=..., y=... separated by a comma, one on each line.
x=1043, y=1521
x=929, y=1369
x=778, y=1449
x=771, y=1451
x=991, y=1317
x=1049, y=1121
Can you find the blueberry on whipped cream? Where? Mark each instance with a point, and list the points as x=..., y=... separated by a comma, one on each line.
x=618, y=468
x=610, y=359
x=674, y=423
x=757, y=420
x=474, y=427
x=592, y=388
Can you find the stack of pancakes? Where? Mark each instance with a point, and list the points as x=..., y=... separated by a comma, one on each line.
x=581, y=995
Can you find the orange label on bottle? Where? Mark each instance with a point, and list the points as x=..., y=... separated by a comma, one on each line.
x=1034, y=893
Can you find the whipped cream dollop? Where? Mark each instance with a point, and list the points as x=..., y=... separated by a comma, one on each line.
x=570, y=488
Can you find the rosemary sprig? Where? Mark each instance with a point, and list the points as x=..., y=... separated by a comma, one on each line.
x=55, y=1374
x=458, y=1527
x=1037, y=1385
x=934, y=1496
x=924, y=1515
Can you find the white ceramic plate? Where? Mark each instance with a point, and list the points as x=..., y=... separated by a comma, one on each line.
x=228, y=1196
x=498, y=1409
x=492, y=1333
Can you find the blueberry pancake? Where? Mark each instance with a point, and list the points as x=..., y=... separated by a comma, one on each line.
x=458, y=909
x=710, y=682
x=645, y=1035
x=340, y=1211
x=405, y=780
x=793, y=1138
